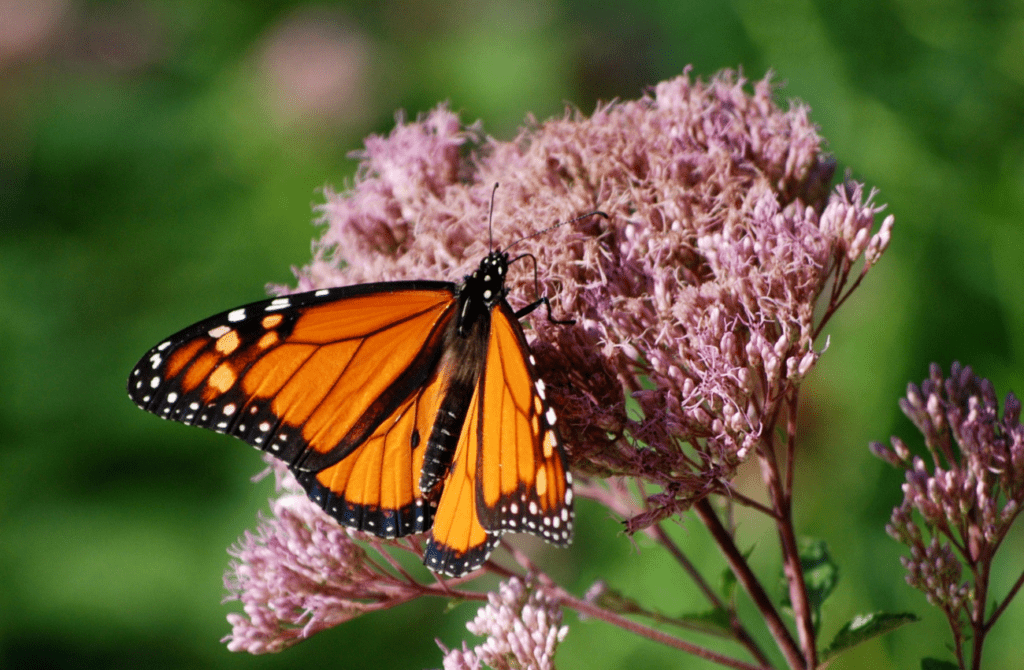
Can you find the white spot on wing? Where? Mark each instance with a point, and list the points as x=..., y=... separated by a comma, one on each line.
x=236, y=315
x=221, y=330
x=321, y=293
x=278, y=303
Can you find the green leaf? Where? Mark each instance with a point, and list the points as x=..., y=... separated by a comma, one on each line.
x=820, y=572
x=863, y=628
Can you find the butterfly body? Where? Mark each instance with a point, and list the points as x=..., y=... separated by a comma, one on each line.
x=401, y=407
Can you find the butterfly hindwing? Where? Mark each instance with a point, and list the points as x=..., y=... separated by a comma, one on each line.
x=458, y=543
x=376, y=488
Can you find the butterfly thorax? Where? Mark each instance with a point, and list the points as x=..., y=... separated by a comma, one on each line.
x=482, y=290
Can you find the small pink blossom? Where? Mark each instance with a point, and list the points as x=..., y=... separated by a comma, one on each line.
x=960, y=502
x=301, y=573
x=522, y=627
x=971, y=488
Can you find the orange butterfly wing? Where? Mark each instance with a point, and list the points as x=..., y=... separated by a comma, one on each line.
x=376, y=488
x=341, y=384
x=458, y=542
x=509, y=471
x=523, y=483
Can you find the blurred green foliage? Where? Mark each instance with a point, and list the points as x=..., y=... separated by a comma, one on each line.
x=157, y=164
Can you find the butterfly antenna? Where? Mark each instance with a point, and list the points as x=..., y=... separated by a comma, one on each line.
x=490, y=217
x=557, y=225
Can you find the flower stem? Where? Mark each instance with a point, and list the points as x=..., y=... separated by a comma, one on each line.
x=740, y=633
x=591, y=610
x=782, y=503
x=1006, y=601
x=981, y=579
x=746, y=577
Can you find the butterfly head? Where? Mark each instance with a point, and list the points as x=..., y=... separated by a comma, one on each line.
x=487, y=283
x=482, y=290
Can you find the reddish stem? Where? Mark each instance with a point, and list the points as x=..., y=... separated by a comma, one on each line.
x=1006, y=601
x=798, y=597
x=739, y=632
x=591, y=610
x=745, y=576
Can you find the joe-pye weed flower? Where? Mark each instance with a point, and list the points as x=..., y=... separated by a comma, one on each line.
x=697, y=302
x=959, y=504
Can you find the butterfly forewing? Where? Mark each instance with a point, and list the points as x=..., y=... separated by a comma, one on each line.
x=522, y=481
x=340, y=384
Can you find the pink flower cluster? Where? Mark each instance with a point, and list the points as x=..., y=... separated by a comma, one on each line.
x=694, y=300
x=522, y=627
x=302, y=573
x=959, y=504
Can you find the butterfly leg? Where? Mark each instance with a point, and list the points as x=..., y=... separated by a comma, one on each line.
x=543, y=299
x=537, y=303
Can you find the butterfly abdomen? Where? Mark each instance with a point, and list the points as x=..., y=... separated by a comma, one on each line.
x=460, y=370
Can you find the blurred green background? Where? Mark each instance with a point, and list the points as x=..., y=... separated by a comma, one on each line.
x=158, y=162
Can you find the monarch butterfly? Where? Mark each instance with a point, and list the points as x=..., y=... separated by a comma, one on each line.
x=401, y=407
